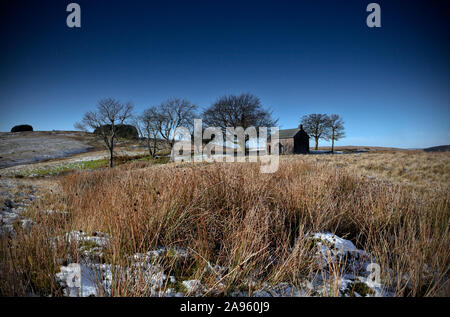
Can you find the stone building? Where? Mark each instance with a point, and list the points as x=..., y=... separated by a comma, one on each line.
x=293, y=141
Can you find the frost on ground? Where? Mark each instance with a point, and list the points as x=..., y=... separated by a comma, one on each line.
x=56, y=167
x=91, y=278
x=30, y=154
x=29, y=147
x=13, y=207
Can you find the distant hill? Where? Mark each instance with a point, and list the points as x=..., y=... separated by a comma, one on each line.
x=440, y=148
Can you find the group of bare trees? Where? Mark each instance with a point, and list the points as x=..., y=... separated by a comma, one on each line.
x=325, y=127
x=157, y=124
x=243, y=111
x=160, y=122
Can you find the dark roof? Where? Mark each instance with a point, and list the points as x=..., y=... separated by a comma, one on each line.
x=288, y=133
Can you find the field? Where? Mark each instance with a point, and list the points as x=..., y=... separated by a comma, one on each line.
x=30, y=147
x=223, y=229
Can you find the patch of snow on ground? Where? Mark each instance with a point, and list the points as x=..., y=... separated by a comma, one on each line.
x=332, y=248
x=193, y=287
x=355, y=266
x=83, y=280
x=91, y=278
x=99, y=238
x=13, y=207
x=95, y=279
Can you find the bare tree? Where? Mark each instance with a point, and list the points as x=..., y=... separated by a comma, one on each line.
x=137, y=123
x=79, y=126
x=109, y=114
x=149, y=123
x=243, y=111
x=335, y=129
x=317, y=126
x=172, y=114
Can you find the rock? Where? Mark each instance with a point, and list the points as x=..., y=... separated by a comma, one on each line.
x=8, y=217
x=7, y=231
x=331, y=248
x=22, y=128
x=9, y=204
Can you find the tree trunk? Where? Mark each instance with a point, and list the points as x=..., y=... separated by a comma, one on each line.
x=172, y=154
x=155, y=147
x=317, y=143
x=149, y=147
x=111, y=154
x=332, y=143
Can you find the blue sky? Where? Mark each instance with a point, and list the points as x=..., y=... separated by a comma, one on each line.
x=390, y=84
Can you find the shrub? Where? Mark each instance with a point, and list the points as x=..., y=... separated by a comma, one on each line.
x=124, y=131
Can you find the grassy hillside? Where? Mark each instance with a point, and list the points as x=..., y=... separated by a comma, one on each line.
x=254, y=228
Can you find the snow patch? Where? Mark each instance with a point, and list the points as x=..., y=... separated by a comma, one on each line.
x=194, y=287
x=99, y=238
x=84, y=280
x=332, y=249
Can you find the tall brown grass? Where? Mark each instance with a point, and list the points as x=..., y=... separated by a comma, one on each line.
x=255, y=224
x=430, y=171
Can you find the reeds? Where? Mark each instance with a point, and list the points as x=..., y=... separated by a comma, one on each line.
x=256, y=225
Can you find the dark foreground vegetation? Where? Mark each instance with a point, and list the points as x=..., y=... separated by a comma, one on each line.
x=254, y=225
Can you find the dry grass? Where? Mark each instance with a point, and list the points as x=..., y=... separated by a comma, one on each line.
x=255, y=224
x=414, y=168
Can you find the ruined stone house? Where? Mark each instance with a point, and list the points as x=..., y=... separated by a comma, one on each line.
x=293, y=141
